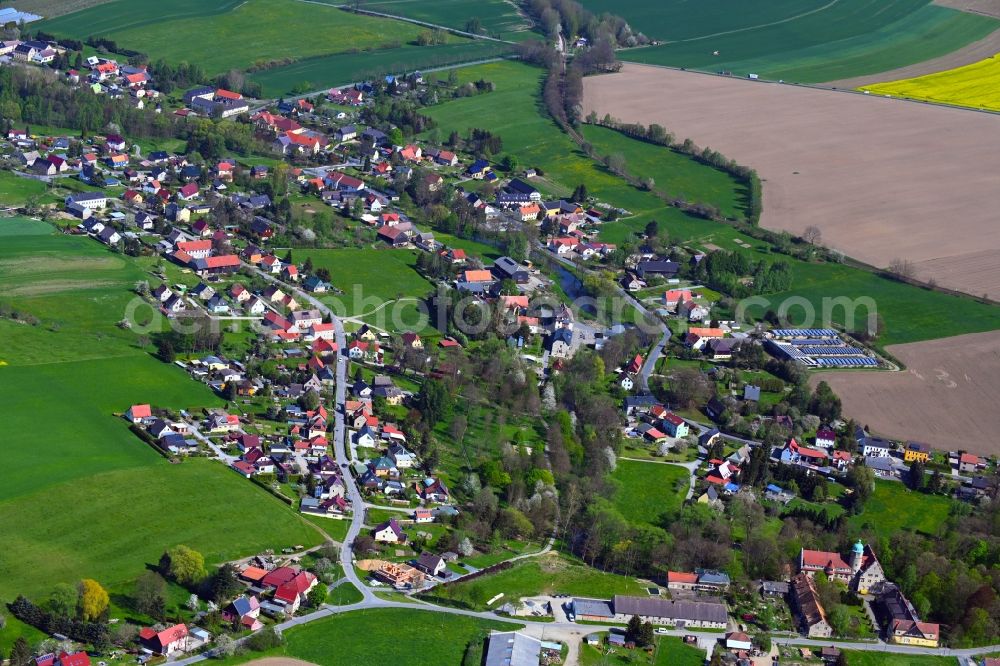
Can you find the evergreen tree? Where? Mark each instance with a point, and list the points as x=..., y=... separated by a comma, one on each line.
x=20, y=654
x=633, y=629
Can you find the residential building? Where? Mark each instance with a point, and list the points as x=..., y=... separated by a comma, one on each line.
x=917, y=452
x=805, y=601
x=675, y=426
x=167, y=642
x=876, y=447
x=389, y=532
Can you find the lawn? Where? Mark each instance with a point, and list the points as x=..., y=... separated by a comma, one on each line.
x=864, y=658
x=976, y=85
x=325, y=71
x=15, y=191
x=894, y=507
x=802, y=42
x=673, y=173
x=543, y=575
x=368, y=277
x=232, y=34
x=417, y=637
x=670, y=651
x=648, y=490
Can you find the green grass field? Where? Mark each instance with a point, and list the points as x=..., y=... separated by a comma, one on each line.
x=324, y=71
x=910, y=313
x=894, y=507
x=231, y=34
x=800, y=42
x=545, y=574
x=673, y=173
x=82, y=496
x=398, y=636
x=380, y=275
x=110, y=525
x=15, y=191
x=498, y=18
x=862, y=658
x=649, y=490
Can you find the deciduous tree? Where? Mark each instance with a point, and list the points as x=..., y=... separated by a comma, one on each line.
x=93, y=600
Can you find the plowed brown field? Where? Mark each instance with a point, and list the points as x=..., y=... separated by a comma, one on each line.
x=882, y=178
x=947, y=396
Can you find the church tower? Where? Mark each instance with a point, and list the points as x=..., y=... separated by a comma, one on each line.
x=857, y=556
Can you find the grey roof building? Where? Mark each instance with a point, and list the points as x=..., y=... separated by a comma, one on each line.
x=662, y=611
x=597, y=608
x=512, y=648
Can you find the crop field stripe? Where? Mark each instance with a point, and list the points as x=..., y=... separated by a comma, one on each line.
x=95, y=27
x=843, y=39
x=755, y=27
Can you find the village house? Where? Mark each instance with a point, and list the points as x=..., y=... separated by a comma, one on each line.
x=917, y=452
x=806, y=603
x=389, y=532
x=167, y=642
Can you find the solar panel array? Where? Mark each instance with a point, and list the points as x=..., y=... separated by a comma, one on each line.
x=830, y=350
x=813, y=352
x=805, y=333
x=846, y=362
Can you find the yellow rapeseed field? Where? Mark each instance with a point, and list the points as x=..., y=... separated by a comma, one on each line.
x=976, y=85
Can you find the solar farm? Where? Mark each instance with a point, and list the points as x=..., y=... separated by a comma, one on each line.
x=818, y=348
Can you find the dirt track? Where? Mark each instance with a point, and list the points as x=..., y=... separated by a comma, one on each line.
x=882, y=178
x=947, y=397
x=278, y=661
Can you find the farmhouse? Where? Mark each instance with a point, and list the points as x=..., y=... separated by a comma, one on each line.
x=682, y=614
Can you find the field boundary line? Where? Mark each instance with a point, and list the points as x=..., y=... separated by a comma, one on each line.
x=744, y=29
x=406, y=19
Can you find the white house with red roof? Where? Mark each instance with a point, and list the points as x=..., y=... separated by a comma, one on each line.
x=138, y=413
x=167, y=642
x=675, y=425
x=795, y=453
x=826, y=438
x=721, y=472
x=291, y=586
